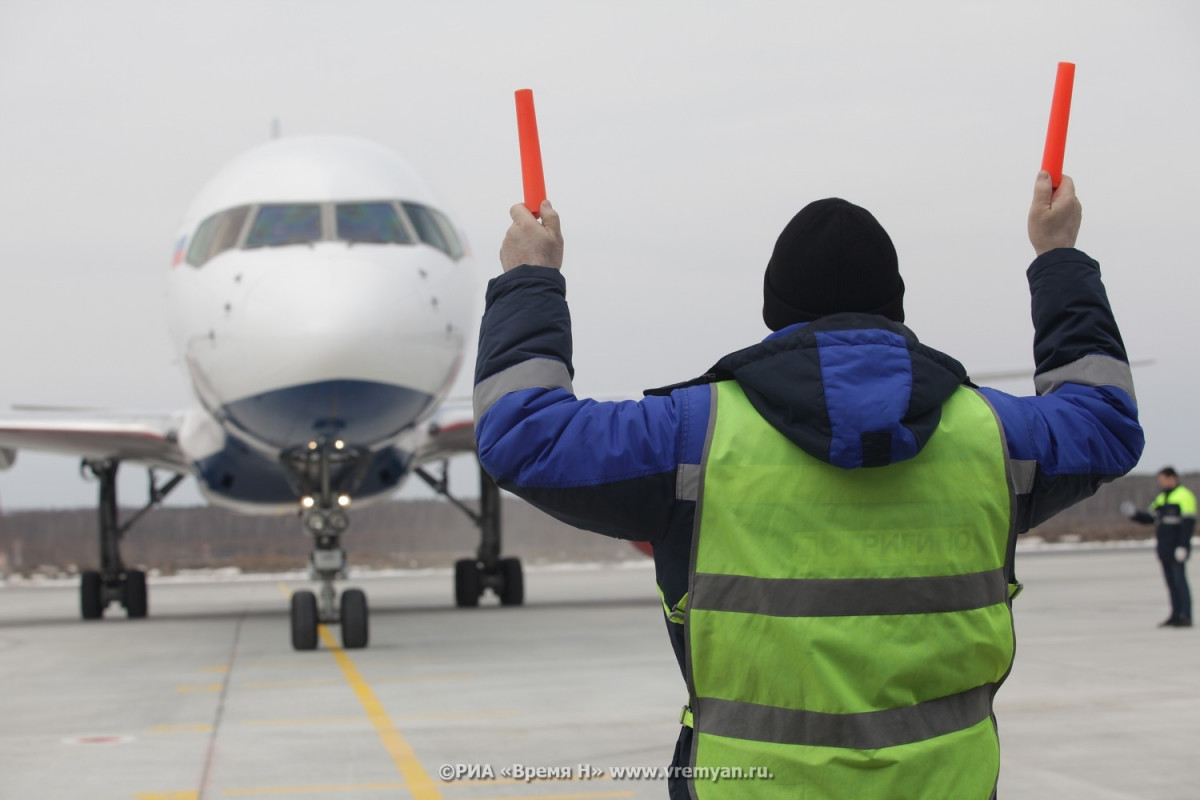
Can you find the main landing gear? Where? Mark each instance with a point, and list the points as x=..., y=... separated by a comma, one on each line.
x=113, y=583
x=472, y=576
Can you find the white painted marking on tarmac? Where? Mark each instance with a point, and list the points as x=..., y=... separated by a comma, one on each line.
x=180, y=727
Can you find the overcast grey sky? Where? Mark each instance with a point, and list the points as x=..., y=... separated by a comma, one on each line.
x=678, y=139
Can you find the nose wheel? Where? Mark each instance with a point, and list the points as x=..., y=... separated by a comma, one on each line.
x=354, y=619
x=304, y=620
x=351, y=615
x=327, y=564
x=324, y=473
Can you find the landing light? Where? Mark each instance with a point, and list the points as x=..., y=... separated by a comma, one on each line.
x=339, y=444
x=307, y=501
x=312, y=445
x=343, y=500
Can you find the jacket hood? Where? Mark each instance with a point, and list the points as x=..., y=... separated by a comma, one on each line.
x=853, y=390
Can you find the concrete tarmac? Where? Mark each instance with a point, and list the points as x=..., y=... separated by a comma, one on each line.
x=206, y=699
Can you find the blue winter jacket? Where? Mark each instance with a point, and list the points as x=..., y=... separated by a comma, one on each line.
x=613, y=467
x=854, y=390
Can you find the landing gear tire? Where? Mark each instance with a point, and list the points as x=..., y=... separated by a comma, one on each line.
x=512, y=590
x=91, y=595
x=354, y=619
x=304, y=620
x=468, y=583
x=136, y=600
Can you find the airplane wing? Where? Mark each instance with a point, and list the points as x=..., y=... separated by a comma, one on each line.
x=451, y=432
x=96, y=435
x=154, y=439
x=1002, y=375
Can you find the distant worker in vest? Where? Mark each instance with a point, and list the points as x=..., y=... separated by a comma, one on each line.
x=1174, y=513
x=833, y=511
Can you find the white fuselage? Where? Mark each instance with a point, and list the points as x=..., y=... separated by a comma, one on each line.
x=327, y=297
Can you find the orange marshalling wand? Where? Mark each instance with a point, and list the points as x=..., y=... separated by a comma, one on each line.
x=531, y=152
x=1060, y=113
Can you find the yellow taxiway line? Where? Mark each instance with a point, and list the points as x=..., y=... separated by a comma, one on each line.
x=417, y=780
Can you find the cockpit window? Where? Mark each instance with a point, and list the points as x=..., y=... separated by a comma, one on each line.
x=218, y=233
x=279, y=225
x=434, y=229
x=447, y=228
x=372, y=223
x=198, y=251
x=427, y=228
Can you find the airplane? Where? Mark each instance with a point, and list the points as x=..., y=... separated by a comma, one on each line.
x=319, y=298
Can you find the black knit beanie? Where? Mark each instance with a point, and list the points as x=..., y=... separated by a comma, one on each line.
x=832, y=257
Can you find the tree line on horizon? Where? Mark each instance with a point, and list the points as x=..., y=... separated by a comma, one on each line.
x=407, y=534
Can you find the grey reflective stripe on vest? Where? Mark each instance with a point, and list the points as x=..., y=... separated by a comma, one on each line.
x=536, y=373
x=1094, y=370
x=687, y=482
x=1023, y=473
x=848, y=597
x=864, y=731
x=1171, y=520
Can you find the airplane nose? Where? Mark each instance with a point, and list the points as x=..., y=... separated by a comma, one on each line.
x=328, y=333
x=336, y=309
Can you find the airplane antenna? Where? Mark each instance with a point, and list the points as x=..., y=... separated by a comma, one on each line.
x=275, y=128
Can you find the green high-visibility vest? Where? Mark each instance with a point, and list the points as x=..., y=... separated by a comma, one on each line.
x=847, y=629
x=1171, y=507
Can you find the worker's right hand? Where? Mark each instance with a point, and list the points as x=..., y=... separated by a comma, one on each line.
x=1055, y=214
x=1128, y=509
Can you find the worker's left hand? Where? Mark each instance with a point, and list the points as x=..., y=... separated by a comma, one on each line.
x=1181, y=554
x=530, y=242
x=1055, y=215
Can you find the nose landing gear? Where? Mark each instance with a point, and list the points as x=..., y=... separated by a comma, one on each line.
x=325, y=473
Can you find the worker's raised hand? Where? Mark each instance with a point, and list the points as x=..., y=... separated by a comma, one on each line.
x=538, y=244
x=1129, y=509
x=1055, y=214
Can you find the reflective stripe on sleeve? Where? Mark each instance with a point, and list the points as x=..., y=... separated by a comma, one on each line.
x=536, y=373
x=1093, y=370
